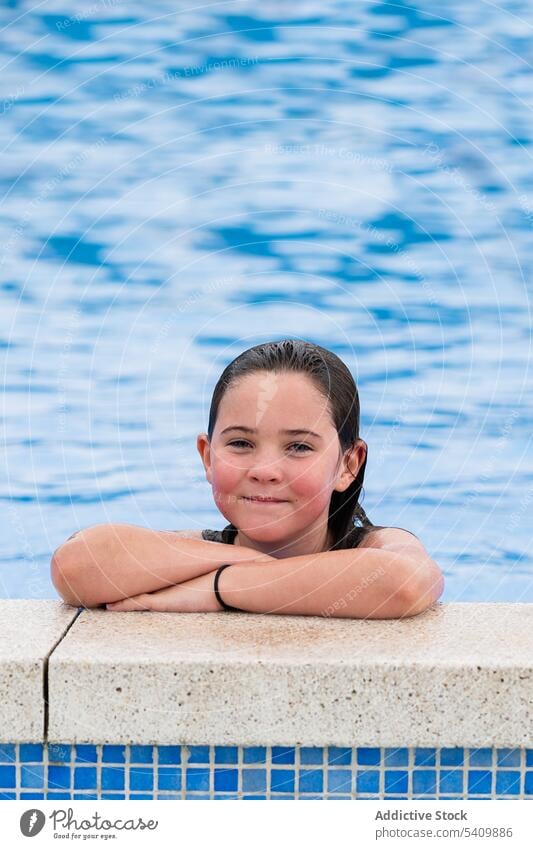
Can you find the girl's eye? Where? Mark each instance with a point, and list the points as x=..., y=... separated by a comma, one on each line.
x=239, y=442
x=303, y=445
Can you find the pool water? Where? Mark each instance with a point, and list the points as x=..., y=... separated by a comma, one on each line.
x=178, y=186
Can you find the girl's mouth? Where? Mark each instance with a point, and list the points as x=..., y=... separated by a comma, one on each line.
x=258, y=500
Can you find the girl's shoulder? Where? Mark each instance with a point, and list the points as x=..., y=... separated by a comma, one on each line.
x=381, y=536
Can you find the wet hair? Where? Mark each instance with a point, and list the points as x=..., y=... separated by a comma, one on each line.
x=347, y=520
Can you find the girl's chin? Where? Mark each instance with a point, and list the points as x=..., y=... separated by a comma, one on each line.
x=264, y=533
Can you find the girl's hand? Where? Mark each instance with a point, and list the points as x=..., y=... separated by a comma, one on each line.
x=194, y=596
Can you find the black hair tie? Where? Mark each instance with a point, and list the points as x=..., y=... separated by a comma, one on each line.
x=218, y=596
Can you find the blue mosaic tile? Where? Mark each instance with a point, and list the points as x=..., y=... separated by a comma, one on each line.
x=507, y=783
x=226, y=754
x=338, y=756
x=254, y=780
x=169, y=778
x=199, y=754
x=311, y=755
x=369, y=757
x=32, y=776
x=254, y=755
x=58, y=777
x=396, y=781
x=529, y=757
x=7, y=753
x=339, y=780
x=197, y=779
x=58, y=753
x=113, y=754
x=148, y=772
x=282, y=755
x=508, y=757
x=479, y=781
x=226, y=779
x=31, y=752
x=282, y=780
x=84, y=778
x=424, y=781
x=480, y=757
x=425, y=757
x=141, y=754
x=112, y=778
x=451, y=781
x=141, y=778
x=86, y=754
x=311, y=781
x=170, y=754
x=451, y=757
x=367, y=781
x=396, y=757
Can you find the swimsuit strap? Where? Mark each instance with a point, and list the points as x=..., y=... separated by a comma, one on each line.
x=227, y=535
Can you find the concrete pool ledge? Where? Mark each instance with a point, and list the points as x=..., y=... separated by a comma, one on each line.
x=460, y=674
x=29, y=632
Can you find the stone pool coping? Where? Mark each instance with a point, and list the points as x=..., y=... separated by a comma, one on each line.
x=29, y=632
x=458, y=675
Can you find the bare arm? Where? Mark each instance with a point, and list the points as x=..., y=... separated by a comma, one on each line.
x=366, y=583
x=105, y=563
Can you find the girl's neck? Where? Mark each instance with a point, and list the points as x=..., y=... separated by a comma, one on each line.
x=311, y=543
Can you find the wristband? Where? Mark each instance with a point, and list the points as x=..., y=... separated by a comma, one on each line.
x=218, y=596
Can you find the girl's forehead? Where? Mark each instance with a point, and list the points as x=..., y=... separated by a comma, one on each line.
x=275, y=387
x=266, y=400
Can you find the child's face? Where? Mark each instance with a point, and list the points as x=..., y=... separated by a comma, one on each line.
x=300, y=469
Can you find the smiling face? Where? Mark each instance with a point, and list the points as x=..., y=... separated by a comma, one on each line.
x=252, y=454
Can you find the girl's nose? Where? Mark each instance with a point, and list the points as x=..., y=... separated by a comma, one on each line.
x=267, y=469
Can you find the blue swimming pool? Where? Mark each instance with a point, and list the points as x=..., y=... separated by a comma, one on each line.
x=178, y=186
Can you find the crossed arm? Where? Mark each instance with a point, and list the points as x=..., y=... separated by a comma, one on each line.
x=126, y=567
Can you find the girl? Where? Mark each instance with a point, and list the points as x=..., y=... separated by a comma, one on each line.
x=286, y=463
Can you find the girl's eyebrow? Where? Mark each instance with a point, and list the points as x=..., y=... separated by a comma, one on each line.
x=293, y=432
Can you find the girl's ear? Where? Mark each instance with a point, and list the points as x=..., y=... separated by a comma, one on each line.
x=202, y=444
x=352, y=461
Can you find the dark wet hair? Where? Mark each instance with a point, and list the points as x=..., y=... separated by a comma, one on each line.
x=334, y=380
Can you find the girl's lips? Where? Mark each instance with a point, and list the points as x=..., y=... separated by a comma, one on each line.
x=264, y=500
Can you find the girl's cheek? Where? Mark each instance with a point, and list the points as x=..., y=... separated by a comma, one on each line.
x=311, y=485
x=225, y=481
